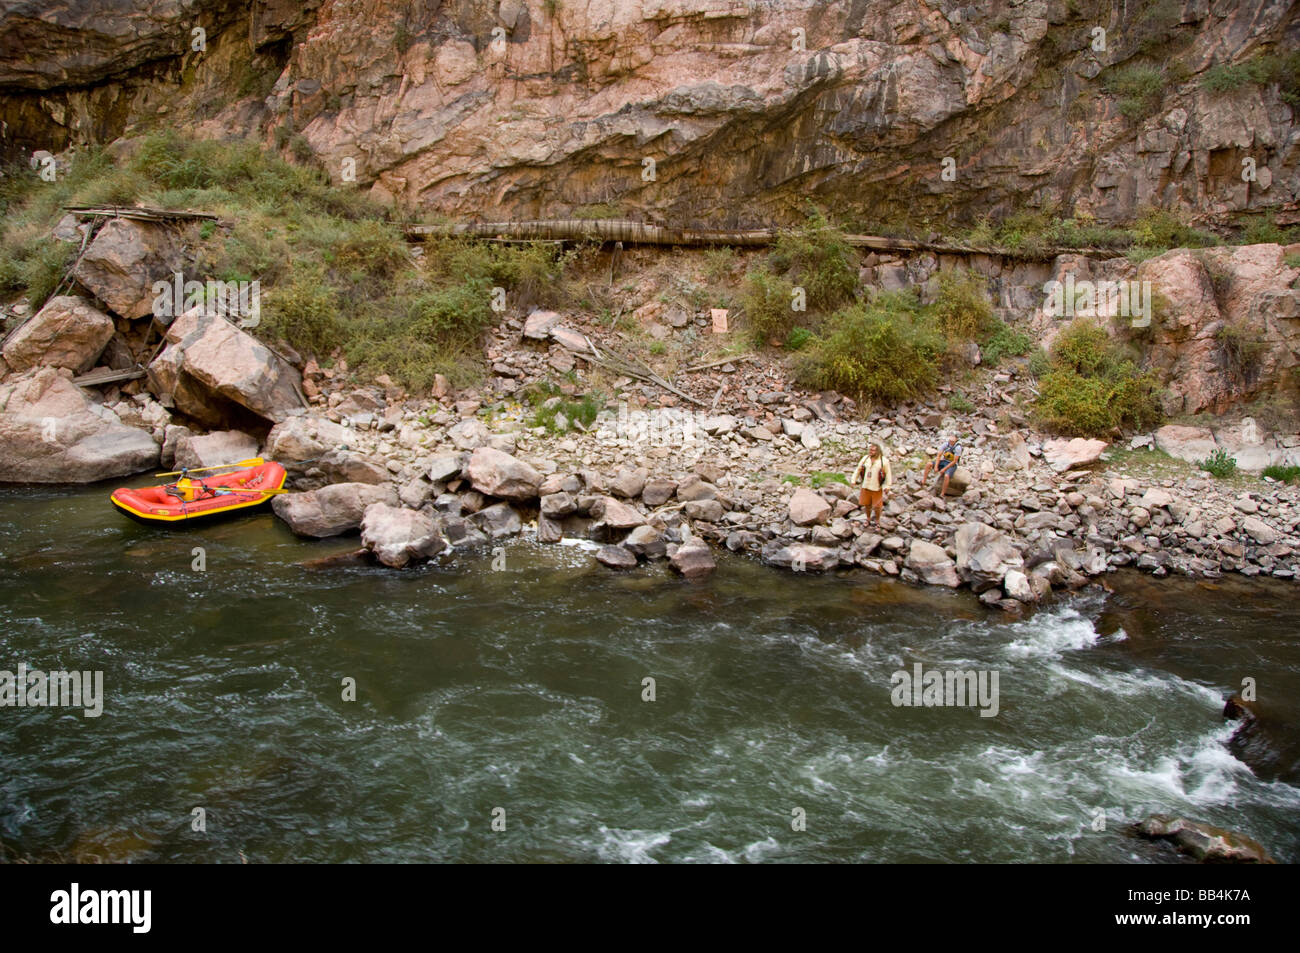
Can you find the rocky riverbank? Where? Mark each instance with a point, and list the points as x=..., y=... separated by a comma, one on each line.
x=731, y=454
x=1027, y=517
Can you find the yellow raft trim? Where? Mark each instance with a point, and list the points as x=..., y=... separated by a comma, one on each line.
x=160, y=518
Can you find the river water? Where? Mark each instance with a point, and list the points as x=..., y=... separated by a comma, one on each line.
x=516, y=694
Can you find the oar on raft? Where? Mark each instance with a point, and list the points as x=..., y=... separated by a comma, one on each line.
x=254, y=462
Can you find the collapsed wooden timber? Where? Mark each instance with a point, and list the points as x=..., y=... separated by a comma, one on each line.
x=108, y=375
x=621, y=230
x=629, y=365
x=139, y=214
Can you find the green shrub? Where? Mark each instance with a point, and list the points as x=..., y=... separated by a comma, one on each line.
x=1004, y=341
x=1138, y=88
x=548, y=404
x=766, y=298
x=1091, y=387
x=1261, y=230
x=961, y=308
x=1292, y=261
x=870, y=352
x=369, y=252
x=1242, y=346
x=819, y=478
x=817, y=258
x=1226, y=77
x=1219, y=464
x=305, y=312
x=423, y=331
x=1158, y=228
x=718, y=263
x=1039, y=362
x=959, y=403
x=1281, y=473
x=797, y=338
x=1259, y=70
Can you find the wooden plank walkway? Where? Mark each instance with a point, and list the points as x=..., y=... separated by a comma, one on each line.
x=619, y=230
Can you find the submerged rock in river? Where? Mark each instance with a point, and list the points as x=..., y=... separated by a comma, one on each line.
x=1202, y=841
x=398, y=536
x=331, y=510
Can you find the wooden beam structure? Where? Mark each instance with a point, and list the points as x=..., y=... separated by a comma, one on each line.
x=138, y=213
x=621, y=230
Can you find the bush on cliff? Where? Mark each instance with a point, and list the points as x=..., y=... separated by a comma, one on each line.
x=815, y=258
x=766, y=298
x=335, y=272
x=1091, y=386
x=884, y=351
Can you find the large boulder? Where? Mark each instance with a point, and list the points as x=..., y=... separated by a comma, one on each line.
x=495, y=473
x=51, y=433
x=1017, y=586
x=1186, y=443
x=498, y=520
x=1259, y=531
x=350, y=466
x=214, y=449
x=615, y=557
x=558, y=505
x=629, y=483
x=984, y=556
x=613, y=514
x=693, y=559
x=808, y=507
x=208, y=356
x=302, y=438
x=538, y=325
x=959, y=482
x=800, y=557
x=1062, y=455
x=932, y=564
x=445, y=467
x=645, y=541
x=331, y=510
x=123, y=262
x=68, y=332
x=399, y=536
x=1017, y=455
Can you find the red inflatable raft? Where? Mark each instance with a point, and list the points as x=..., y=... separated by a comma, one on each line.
x=200, y=498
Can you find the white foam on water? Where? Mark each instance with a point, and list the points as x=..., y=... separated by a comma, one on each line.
x=755, y=852
x=1137, y=682
x=630, y=846
x=1201, y=772
x=712, y=855
x=1051, y=635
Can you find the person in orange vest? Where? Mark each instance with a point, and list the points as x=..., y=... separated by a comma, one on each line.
x=876, y=478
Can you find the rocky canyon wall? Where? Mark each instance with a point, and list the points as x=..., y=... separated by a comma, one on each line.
x=702, y=111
